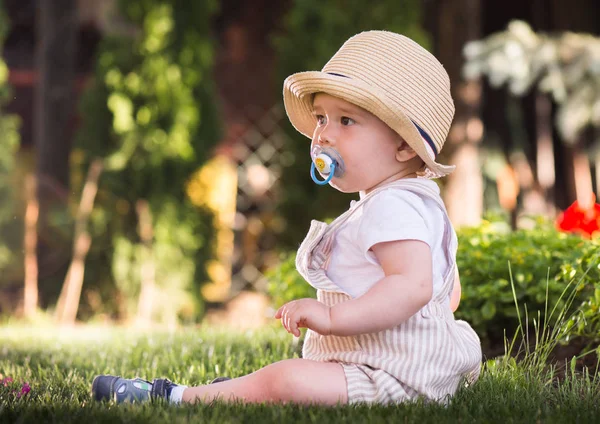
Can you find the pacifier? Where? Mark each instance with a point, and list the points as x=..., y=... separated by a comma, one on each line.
x=328, y=162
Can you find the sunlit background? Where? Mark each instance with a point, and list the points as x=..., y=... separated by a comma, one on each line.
x=149, y=175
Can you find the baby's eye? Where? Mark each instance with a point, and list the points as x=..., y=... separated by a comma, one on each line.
x=321, y=120
x=347, y=121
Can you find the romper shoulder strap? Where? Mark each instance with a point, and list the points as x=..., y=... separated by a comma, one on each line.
x=422, y=190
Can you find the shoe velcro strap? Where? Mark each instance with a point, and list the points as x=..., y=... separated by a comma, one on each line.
x=159, y=388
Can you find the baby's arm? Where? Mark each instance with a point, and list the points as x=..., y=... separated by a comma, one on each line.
x=456, y=291
x=405, y=289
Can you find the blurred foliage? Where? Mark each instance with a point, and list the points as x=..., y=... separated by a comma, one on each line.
x=150, y=113
x=564, y=65
x=542, y=260
x=544, y=263
x=286, y=284
x=313, y=32
x=9, y=143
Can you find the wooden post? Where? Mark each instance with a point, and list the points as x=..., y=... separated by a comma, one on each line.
x=147, y=289
x=68, y=302
x=582, y=175
x=463, y=192
x=545, y=164
x=597, y=172
x=30, y=292
x=54, y=96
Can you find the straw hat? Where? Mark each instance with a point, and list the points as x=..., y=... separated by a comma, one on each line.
x=390, y=76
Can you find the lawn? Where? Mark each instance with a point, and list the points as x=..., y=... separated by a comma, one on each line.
x=59, y=367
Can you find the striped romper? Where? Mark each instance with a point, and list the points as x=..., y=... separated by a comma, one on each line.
x=425, y=356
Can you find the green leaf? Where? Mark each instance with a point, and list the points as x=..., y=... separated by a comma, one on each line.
x=488, y=310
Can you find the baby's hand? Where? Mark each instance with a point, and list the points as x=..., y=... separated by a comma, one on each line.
x=305, y=313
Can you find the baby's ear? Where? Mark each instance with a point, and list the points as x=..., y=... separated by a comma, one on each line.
x=404, y=153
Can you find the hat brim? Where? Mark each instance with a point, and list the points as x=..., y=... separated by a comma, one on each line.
x=297, y=98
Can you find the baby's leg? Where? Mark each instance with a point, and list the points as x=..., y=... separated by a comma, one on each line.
x=291, y=380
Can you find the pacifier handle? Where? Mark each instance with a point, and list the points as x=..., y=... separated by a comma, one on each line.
x=329, y=177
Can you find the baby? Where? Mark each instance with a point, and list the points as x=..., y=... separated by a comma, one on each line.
x=382, y=328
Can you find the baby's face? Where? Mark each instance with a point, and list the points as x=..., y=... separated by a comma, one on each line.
x=367, y=145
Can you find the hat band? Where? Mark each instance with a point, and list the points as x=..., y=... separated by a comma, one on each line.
x=426, y=138
x=337, y=75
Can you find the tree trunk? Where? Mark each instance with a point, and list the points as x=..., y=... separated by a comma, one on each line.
x=54, y=98
x=597, y=172
x=30, y=297
x=147, y=290
x=464, y=187
x=576, y=17
x=68, y=302
x=54, y=95
x=545, y=162
x=578, y=174
x=582, y=174
x=508, y=191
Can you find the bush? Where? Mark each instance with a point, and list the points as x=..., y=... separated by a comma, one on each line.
x=285, y=283
x=543, y=262
x=10, y=237
x=151, y=115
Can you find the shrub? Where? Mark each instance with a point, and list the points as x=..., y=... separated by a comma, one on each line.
x=285, y=283
x=151, y=115
x=543, y=262
x=10, y=230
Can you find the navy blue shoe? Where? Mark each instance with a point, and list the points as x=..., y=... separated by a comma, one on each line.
x=110, y=387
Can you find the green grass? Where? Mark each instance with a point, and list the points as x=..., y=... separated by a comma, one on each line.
x=60, y=366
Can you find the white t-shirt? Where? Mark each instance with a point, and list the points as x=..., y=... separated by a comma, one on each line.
x=392, y=214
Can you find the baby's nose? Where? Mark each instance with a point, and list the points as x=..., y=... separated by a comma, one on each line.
x=325, y=138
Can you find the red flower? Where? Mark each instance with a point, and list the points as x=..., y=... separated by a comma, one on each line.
x=578, y=219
